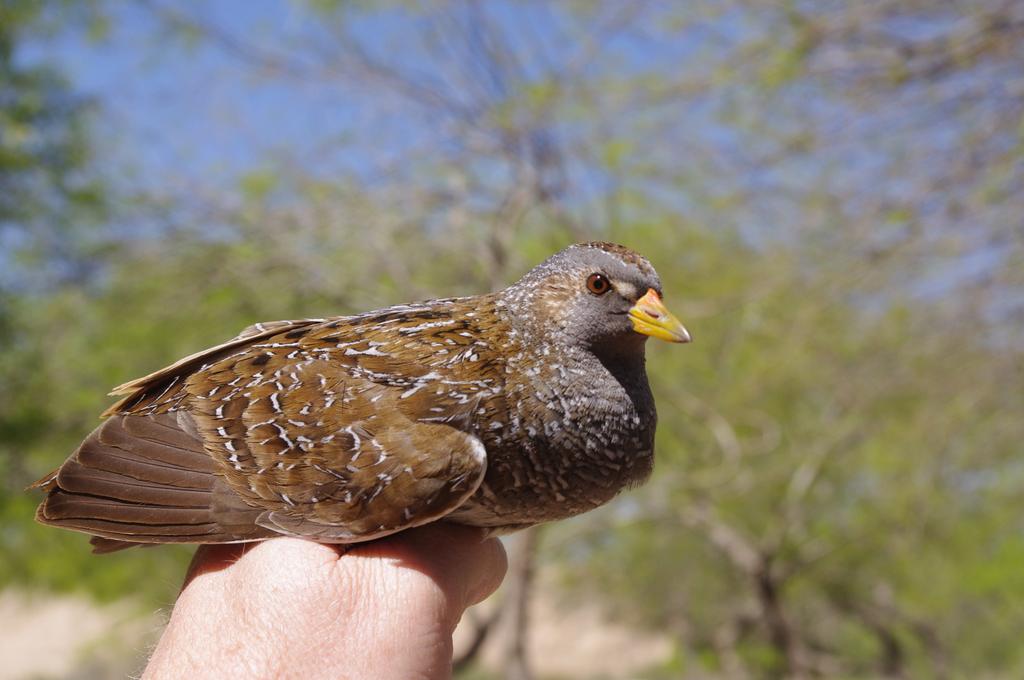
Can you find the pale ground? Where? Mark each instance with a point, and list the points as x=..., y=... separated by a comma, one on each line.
x=46, y=638
x=576, y=642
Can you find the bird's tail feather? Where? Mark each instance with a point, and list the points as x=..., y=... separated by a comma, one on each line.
x=144, y=480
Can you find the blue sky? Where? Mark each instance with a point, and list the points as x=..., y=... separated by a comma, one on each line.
x=169, y=109
x=172, y=110
x=179, y=117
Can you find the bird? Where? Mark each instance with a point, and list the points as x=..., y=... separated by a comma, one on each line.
x=501, y=411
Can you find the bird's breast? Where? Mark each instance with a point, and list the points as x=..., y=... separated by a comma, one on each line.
x=559, y=448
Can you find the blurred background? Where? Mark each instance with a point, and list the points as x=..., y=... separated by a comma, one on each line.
x=833, y=193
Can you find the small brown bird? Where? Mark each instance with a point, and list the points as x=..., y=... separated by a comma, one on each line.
x=500, y=411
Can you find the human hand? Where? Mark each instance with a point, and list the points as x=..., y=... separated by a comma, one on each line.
x=291, y=608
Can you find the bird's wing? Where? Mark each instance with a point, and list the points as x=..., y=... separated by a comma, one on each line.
x=315, y=429
x=145, y=479
x=379, y=475
x=401, y=346
x=157, y=391
x=333, y=433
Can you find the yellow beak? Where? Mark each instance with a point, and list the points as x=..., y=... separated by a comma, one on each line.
x=650, y=317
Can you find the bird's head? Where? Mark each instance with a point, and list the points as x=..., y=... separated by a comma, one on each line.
x=601, y=296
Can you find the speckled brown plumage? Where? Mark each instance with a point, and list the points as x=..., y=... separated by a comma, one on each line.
x=501, y=410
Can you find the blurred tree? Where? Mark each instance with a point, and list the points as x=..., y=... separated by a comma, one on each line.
x=830, y=488
x=832, y=192
x=49, y=194
x=48, y=188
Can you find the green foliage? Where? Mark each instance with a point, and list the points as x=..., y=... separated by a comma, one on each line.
x=46, y=191
x=838, y=488
x=868, y=462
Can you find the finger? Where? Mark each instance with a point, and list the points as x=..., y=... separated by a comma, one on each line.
x=466, y=567
x=210, y=558
x=490, y=571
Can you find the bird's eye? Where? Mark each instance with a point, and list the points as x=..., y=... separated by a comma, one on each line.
x=598, y=284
